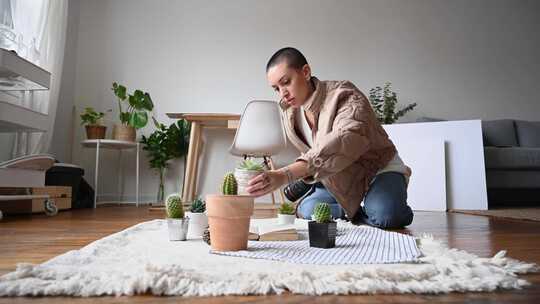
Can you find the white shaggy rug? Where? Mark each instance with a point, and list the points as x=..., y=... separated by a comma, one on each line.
x=140, y=260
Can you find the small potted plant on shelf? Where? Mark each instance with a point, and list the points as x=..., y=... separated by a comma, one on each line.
x=92, y=123
x=286, y=213
x=228, y=216
x=198, y=221
x=136, y=116
x=177, y=223
x=322, y=230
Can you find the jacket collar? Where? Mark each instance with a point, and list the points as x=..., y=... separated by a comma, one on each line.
x=313, y=103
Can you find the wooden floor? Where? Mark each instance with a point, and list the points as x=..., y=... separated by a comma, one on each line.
x=37, y=238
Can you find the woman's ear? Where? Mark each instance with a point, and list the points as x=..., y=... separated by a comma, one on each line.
x=306, y=71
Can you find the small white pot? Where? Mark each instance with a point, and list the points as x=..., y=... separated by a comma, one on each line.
x=242, y=177
x=286, y=219
x=197, y=224
x=178, y=228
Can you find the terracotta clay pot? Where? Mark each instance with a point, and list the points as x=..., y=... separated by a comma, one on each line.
x=95, y=131
x=228, y=218
x=124, y=133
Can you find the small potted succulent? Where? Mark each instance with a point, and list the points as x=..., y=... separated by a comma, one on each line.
x=245, y=171
x=177, y=223
x=198, y=221
x=228, y=216
x=286, y=213
x=322, y=230
x=92, y=123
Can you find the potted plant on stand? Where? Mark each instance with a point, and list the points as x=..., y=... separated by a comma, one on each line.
x=228, y=217
x=177, y=223
x=135, y=117
x=286, y=213
x=164, y=144
x=322, y=230
x=245, y=171
x=92, y=123
x=198, y=219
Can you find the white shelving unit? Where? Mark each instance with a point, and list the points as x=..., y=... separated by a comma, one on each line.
x=20, y=75
x=18, y=79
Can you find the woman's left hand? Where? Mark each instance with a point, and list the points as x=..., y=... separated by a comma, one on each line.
x=266, y=182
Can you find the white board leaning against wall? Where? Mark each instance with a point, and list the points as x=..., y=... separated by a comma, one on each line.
x=465, y=173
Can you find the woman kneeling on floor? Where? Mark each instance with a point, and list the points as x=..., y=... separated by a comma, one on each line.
x=346, y=156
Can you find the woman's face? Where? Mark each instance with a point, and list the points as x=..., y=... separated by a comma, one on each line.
x=292, y=85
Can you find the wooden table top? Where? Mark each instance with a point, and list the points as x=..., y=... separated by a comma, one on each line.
x=204, y=116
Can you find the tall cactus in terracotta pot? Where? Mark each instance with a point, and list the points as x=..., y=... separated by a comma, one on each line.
x=228, y=216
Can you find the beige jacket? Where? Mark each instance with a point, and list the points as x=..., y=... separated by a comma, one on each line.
x=349, y=143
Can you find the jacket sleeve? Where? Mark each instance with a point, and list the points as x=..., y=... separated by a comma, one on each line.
x=347, y=141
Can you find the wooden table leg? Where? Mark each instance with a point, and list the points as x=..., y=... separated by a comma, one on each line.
x=189, y=170
x=195, y=175
x=271, y=163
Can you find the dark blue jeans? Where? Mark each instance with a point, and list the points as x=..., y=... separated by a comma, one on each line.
x=385, y=203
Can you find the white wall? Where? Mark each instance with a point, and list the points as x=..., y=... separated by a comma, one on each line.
x=456, y=59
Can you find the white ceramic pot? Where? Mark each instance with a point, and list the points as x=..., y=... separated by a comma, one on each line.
x=197, y=224
x=286, y=219
x=178, y=228
x=242, y=177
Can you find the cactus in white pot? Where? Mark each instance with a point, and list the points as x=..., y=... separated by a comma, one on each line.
x=198, y=220
x=286, y=213
x=177, y=222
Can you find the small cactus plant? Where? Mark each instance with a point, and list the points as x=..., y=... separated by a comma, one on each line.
x=286, y=208
x=229, y=186
x=248, y=164
x=198, y=206
x=173, y=203
x=322, y=213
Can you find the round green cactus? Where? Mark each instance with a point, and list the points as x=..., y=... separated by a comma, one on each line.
x=198, y=206
x=322, y=213
x=229, y=186
x=173, y=203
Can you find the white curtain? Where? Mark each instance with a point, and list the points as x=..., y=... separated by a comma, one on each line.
x=40, y=26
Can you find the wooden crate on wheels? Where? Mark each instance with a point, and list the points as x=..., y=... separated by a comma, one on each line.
x=48, y=199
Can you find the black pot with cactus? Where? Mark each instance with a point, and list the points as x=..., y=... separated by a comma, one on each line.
x=322, y=230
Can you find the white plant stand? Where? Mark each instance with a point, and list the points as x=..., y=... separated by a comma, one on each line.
x=114, y=145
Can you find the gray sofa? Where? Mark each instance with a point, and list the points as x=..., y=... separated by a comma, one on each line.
x=512, y=160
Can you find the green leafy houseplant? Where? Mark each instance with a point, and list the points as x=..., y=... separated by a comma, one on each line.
x=91, y=117
x=138, y=106
x=92, y=123
x=384, y=102
x=164, y=144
